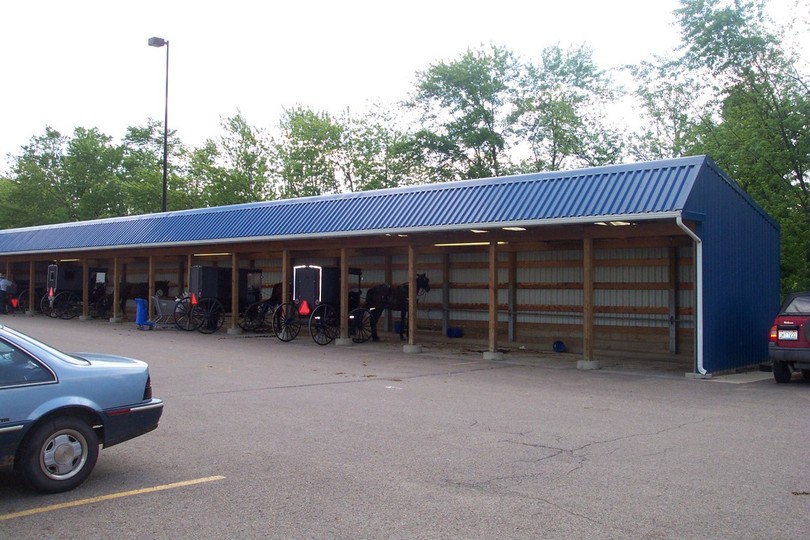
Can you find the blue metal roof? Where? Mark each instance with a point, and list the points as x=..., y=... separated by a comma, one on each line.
x=639, y=191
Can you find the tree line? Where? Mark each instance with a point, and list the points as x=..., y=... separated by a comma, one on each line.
x=734, y=89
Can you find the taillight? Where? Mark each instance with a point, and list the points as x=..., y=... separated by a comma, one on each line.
x=147, y=392
x=774, y=334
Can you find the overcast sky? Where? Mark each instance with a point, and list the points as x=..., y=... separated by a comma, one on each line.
x=87, y=63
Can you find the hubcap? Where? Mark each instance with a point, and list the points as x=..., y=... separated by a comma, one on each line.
x=64, y=455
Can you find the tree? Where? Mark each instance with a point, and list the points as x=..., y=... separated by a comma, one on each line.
x=240, y=173
x=758, y=127
x=305, y=153
x=561, y=111
x=142, y=171
x=669, y=110
x=464, y=106
x=59, y=179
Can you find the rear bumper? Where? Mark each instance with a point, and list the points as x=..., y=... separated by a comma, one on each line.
x=799, y=358
x=127, y=423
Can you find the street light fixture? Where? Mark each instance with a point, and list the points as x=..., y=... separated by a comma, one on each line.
x=160, y=42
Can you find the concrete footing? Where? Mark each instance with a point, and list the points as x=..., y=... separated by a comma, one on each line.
x=234, y=331
x=588, y=364
x=493, y=355
x=344, y=342
x=412, y=349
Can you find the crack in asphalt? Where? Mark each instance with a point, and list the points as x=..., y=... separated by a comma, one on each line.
x=358, y=379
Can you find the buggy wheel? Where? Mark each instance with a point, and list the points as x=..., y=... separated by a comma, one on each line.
x=46, y=306
x=103, y=306
x=22, y=301
x=286, y=321
x=210, y=313
x=182, y=315
x=324, y=324
x=253, y=317
x=67, y=305
x=360, y=324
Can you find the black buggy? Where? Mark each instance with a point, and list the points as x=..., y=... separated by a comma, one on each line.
x=208, y=300
x=316, y=301
x=64, y=290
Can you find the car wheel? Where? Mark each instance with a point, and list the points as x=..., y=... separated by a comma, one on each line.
x=781, y=372
x=59, y=455
x=806, y=374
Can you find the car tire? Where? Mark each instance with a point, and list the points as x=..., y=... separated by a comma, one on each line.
x=806, y=374
x=59, y=455
x=781, y=372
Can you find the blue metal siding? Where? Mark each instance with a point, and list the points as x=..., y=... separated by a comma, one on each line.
x=740, y=272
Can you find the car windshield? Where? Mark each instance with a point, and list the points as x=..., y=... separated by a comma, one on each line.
x=800, y=304
x=33, y=345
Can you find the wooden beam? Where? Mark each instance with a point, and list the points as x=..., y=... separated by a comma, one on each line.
x=85, y=288
x=234, y=290
x=32, y=299
x=116, y=290
x=512, y=296
x=587, y=299
x=411, y=294
x=445, y=293
x=285, y=276
x=493, y=297
x=344, y=294
x=673, y=300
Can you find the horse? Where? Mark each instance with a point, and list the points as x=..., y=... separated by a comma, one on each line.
x=138, y=290
x=382, y=297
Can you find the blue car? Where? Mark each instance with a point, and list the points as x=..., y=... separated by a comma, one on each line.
x=56, y=409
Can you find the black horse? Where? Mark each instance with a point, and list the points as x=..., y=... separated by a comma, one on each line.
x=383, y=297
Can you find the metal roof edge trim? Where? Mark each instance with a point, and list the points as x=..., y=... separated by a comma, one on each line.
x=378, y=232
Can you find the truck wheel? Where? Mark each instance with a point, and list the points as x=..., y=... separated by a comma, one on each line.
x=781, y=372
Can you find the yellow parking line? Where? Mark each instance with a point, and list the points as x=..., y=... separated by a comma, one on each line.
x=111, y=496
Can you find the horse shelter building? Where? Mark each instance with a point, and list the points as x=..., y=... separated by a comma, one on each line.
x=664, y=259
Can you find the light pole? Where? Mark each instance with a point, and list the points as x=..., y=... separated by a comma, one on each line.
x=160, y=42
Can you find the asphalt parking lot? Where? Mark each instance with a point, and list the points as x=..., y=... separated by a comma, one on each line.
x=264, y=439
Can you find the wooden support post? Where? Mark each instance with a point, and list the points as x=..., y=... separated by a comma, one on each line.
x=512, y=297
x=389, y=280
x=150, y=286
x=32, y=287
x=234, y=329
x=411, y=347
x=85, y=290
x=587, y=361
x=189, y=262
x=445, y=293
x=117, y=316
x=673, y=300
x=493, y=353
x=285, y=276
x=411, y=294
x=344, y=297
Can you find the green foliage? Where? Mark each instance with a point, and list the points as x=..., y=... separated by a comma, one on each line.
x=464, y=107
x=236, y=169
x=305, y=155
x=560, y=112
x=757, y=121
